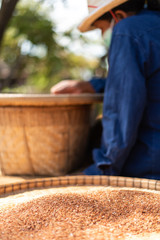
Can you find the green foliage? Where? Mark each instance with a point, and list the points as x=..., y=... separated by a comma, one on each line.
x=34, y=26
x=36, y=59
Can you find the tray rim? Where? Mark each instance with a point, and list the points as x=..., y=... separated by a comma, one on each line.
x=79, y=180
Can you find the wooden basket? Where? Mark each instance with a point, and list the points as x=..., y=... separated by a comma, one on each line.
x=43, y=134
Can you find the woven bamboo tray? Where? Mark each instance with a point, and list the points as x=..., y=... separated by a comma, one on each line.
x=30, y=184
x=44, y=134
x=80, y=207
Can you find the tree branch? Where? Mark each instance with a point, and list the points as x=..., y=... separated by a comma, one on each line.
x=6, y=11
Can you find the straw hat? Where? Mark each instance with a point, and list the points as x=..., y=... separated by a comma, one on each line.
x=96, y=9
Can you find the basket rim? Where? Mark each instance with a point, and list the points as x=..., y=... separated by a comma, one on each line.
x=79, y=180
x=49, y=99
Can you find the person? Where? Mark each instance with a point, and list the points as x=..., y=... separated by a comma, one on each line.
x=130, y=144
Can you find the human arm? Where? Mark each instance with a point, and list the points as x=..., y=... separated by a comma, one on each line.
x=95, y=85
x=124, y=104
x=98, y=84
x=72, y=87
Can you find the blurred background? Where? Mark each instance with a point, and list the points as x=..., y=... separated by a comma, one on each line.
x=40, y=45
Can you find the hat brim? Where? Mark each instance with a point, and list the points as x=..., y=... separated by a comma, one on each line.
x=86, y=24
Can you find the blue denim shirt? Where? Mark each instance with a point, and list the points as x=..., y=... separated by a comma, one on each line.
x=131, y=110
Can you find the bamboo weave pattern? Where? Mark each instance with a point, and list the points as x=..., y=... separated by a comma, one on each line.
x=80, y=181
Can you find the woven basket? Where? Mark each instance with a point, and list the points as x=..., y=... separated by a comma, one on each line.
x=44, y=134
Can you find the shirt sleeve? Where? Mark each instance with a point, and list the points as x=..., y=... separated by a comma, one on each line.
x=98, y=84
x=124, y=103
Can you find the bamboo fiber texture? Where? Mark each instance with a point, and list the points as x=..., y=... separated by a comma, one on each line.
x=42, y=141
x=67, y=181
x=43, y=134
